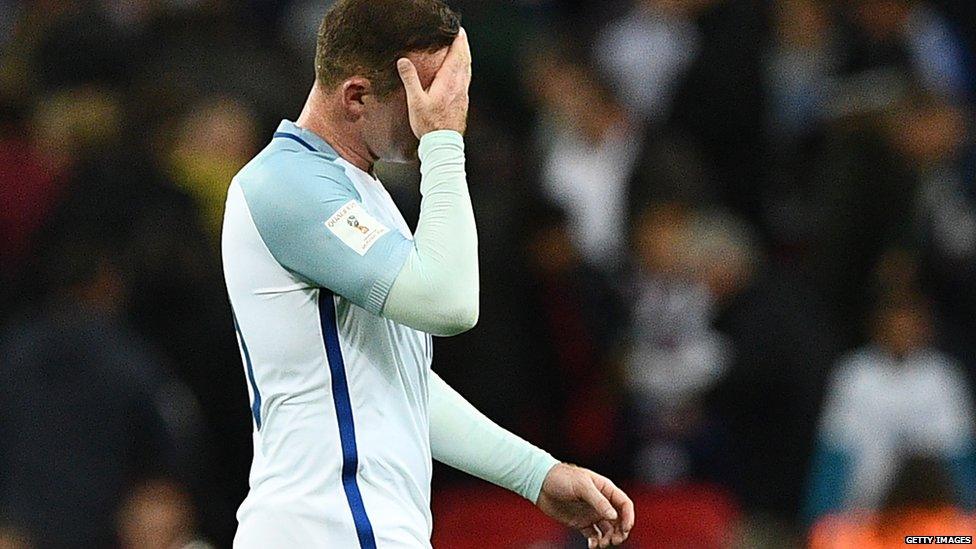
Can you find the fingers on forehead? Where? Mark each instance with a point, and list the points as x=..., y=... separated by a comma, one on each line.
x=461, y=40
x=460, y=49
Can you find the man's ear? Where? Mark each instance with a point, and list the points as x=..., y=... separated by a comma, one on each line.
x=354, y=91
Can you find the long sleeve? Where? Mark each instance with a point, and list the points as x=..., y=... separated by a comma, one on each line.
x=314, y=223
x=462, y=437
x=437, y=288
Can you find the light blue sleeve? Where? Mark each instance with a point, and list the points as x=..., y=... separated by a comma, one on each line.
x=291, y=197
x=437, y=291
x=462, y=437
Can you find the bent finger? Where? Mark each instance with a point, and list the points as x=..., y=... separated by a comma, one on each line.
x=620, y=501
x=592, y=536
x=595, y=498
x=606, y=528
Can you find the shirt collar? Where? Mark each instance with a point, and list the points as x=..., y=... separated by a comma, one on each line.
x=308, y=136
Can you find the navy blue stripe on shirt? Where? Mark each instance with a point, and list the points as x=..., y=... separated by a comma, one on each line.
x=347, y=429
x=256, y=405
x=294, y=138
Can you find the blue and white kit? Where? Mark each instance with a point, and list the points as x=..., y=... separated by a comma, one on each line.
x=347, y=413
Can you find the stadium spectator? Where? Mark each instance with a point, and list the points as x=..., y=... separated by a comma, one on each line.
x=799, y=68
x=86, y=408
x=920, y=500
x=647, y=52
x=38, y=156
x=28, y=189
x=576, y=319
x=714, y=361
x=158, y=515
x=589, y=148
x=674, y=355
x=720, y=102
x=930, y=135
x=214, y=139
x=911, y=35
x=894, y=398
x=782, y=343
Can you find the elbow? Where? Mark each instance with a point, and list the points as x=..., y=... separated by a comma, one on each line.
x=465, y=318
x=457, y=318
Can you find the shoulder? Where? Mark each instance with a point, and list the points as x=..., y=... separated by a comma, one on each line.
x=856, y=372
x=939, y=370
x=287, y=178
x=858, y=362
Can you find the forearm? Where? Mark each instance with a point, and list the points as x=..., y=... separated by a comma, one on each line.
x=462, y=437
x=437, y=289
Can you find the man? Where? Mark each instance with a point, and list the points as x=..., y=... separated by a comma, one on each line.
x=894, y=400
x=70, y=458
x=334, y=300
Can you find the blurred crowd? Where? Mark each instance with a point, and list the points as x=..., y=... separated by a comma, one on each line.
x=724, y=243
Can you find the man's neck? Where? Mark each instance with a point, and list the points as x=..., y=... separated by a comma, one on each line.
x=319, y=116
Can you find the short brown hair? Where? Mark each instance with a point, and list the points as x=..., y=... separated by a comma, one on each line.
x=366, y=37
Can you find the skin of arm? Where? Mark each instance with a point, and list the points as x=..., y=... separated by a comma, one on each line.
x=445, y=252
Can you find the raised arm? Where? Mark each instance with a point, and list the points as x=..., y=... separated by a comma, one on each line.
x=429, y=283
x=437, y=290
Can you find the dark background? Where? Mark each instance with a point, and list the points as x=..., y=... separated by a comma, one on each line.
x=689, y=211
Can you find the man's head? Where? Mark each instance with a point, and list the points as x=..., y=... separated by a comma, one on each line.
x=359, y=43
x=902, y=324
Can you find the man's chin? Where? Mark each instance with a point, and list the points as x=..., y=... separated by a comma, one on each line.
x=404, y=157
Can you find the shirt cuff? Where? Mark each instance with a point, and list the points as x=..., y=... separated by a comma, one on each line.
x=434, y=140
x=441, y=156
x=542, y=463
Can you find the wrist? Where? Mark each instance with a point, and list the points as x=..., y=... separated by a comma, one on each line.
x=543, y=466
x=441, y=156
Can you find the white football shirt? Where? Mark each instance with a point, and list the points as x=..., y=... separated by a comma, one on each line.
x=311, y=246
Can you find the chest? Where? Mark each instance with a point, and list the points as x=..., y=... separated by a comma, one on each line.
x=400, y=343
